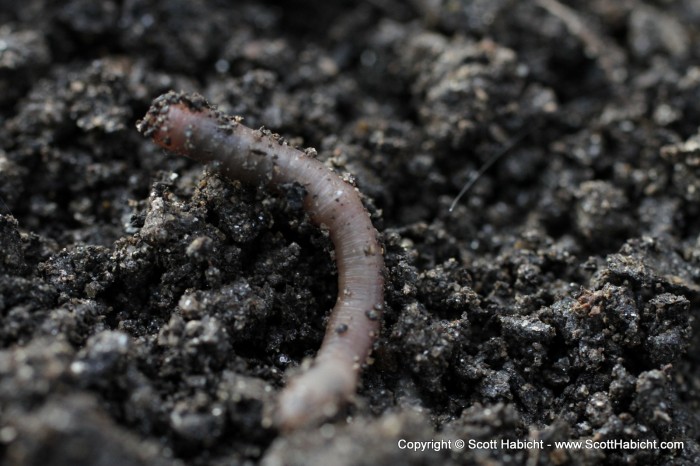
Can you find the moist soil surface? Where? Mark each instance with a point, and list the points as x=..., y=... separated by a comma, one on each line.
x=151, y=310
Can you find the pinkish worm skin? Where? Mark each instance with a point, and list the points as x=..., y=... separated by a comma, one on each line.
x=187, y=125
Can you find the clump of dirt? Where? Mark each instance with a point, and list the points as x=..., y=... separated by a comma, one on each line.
x=151, y=310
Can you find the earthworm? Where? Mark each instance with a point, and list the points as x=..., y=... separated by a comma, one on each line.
x=188, y=125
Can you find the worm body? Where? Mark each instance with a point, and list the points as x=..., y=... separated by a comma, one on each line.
x=187, y=125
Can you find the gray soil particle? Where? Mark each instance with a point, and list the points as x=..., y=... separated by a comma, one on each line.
x=151, y=310
x=80, y=433
x=12, y=258
x=601, y=210
x=349, y=444
x=103, y=354
x=24, y=56
x=35, y=371
x=685, y=160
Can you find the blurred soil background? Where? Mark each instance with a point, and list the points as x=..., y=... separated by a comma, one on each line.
x=151, y=311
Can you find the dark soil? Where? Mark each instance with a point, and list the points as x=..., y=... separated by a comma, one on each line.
x=151, y=310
